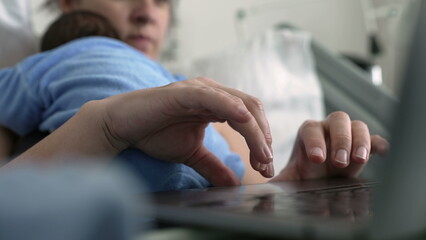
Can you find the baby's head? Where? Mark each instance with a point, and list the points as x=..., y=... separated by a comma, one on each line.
x=74, y=25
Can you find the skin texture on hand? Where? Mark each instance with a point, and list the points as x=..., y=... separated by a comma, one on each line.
x=167, y=123
x=315, y=138
x=173, y=126
x=334, y=147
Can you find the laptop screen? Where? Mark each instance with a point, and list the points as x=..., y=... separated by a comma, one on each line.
x=401, y=206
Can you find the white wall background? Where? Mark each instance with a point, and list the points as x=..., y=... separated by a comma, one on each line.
x=41, y=17
x=205, y=26
x=209, y=25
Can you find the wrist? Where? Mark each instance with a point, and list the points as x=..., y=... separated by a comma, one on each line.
x=101, y=125
x=84, y=134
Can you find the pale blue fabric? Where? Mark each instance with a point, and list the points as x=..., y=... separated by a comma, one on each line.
x=67, y=202
x=45, y=90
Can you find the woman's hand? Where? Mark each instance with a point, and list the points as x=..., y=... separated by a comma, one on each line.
x=334, y=147
x=168, y=123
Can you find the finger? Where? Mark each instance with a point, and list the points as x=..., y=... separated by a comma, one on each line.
x=223, y=101
x=258, y=124
x=218, y=102
x=267, y=170
x=212, y=169
x=313, y=139
x=255, y=106
x=339, y=125
x=259, y=148
x=361, y=144
x=224, y=105
x=379, y=145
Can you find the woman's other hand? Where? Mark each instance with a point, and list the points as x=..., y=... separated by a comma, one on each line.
x=334, y=147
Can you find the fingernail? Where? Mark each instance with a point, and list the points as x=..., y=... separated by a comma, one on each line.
x=271, y=170
x=342, y=157
x=316, y=151
x=362, y=153
x=257, y=167
x=267, y=152
x=263, y=167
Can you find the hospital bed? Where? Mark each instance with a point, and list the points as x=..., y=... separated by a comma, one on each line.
x=348, y=88
x=273, y=60
x=345, y=86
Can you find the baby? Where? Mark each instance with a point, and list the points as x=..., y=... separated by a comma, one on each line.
x=43, y=91
x=66, y=28
x=75, y=25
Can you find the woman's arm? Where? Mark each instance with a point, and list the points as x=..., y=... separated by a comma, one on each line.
x=167, y=123
x=82, y=135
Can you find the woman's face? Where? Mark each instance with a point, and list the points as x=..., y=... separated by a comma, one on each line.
x=142, y=24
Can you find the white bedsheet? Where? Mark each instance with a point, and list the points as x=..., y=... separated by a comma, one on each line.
x=17, y=40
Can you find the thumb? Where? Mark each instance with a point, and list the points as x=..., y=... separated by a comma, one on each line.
x=212, y=169
x=379, y=145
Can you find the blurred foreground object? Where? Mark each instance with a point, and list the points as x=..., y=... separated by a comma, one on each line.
x=70, y=202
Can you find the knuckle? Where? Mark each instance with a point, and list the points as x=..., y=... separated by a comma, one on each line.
x=196, y=89
x=306, y=127
x=191, y=81
x=256, y=102
x=309, y=124
x=343, y=140
x=359, y=123
x=268, y=138
x=339, y=114
x=376, y=136
x=238, y=100
x=176, y=84
x=232, y=99
x=205, y=79
x=239, y=103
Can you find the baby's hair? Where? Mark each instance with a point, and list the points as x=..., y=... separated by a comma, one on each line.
x=74, y=25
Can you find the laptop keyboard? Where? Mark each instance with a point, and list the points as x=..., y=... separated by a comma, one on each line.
x=349, y=202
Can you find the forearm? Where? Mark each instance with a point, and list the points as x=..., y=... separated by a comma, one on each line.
x=83, y=135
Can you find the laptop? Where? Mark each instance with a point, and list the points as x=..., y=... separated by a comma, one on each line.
x=393, y=207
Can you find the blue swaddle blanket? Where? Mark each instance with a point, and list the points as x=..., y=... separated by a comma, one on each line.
x=45, y=90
